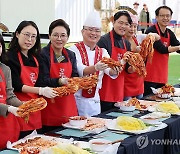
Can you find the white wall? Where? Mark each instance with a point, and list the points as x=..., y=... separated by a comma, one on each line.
x=74, y=12
x=12, y=12
x=154, y=4
x=43, y=12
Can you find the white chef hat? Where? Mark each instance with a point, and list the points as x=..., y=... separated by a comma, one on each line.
x=93, y=20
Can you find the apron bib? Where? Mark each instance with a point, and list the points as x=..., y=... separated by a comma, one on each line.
x=157, y=71
x=89, y=93
x=113, y=89
x=133, y=83
x=57, y=113
x=28, y=77
x=9, y=127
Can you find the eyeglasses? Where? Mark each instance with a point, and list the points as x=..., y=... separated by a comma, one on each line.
x=165, y=15
x=57, y=36
x=90, y=29
x=121, y=23
x=27, y=36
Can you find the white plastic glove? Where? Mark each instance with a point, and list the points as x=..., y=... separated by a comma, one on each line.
x=63, y=81
x=157, y=37
x=138, y=48
x=116, y=70
x=125, y=58
x=99, y=66
x=48, y=92
x=13, y=110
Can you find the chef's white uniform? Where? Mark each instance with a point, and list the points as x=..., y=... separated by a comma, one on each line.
x=89, y=106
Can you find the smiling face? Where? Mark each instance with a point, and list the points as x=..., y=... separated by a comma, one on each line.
x=164, y=17
x=27, y=38
x=91, y=35
x=58, y=38
x=131, y=31
x=120, y=25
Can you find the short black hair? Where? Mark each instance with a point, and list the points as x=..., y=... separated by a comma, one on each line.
x=163, y=7
x=136, y=3
x=59, y=22
x=123, y=13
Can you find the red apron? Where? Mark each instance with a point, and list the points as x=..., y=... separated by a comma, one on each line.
x=133, y=83
x=113, y=89
x=157, y=71
x=28, y=77
x=9, y=127
x=57, y=113
x=89, y=93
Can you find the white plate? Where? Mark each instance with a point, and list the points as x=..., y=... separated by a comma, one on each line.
x=177, y=92
x=55, y=139
x=112, y=125
x=127, y=108
x=168, y=95
x=176, y=99
x=158, y=115
x=119, y=104
x=96, y=130
x=151, y=121
x=177, y=103
x=152, y=109
x=68, y=125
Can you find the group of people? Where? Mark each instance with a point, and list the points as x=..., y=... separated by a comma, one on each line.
x=33, y=71
x=144, y=17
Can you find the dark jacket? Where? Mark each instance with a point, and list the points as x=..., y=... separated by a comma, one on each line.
x=45, y=55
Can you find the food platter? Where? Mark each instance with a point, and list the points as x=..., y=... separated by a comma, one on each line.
x=36, y=143
x=140, y=105
x=156, y=98
x=155, y=118
x=112, y=126
x=93, y=125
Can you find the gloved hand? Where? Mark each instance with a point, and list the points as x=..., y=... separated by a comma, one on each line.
x=48, y=92
x=116, y=70
x=157, y=37
x=125, y=58
x=138, y=48
x=99, y=66
x=13, y=110
x=63, y=81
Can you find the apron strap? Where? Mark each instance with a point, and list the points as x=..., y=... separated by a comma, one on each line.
x=112, y=40
x=21, y=62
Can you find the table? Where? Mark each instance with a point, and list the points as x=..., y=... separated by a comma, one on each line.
x=129, y=145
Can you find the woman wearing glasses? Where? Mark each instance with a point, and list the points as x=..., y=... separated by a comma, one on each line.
x=23, y=59
x=59, y=64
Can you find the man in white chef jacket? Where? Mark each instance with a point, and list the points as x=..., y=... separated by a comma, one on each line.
x=88, y=57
